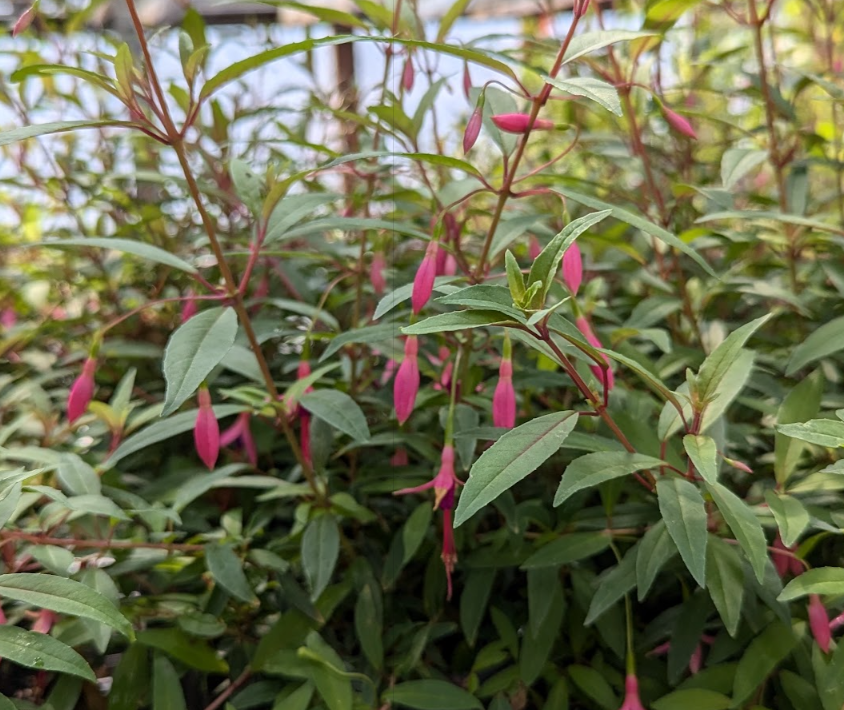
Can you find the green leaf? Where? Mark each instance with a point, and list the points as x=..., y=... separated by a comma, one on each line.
x=190, y=651
x=762, y=656
x=792, y=518
x=568, y=548
x=76, y=476
x=510, y=459
x=320, y=548
x=715, y=367
x=594, y=685
x=704, y=455
x=800, y=405
x=693, y=699
x=459, y=320
x=64, y=596
x=595, y=89
x=369, y=334
x=431, y=695
x=18, y=134
x=540, y=590
x=547, y=264
x=633, y=219
x=684, y=513
x=601, y=466
x=824, y=432
x=195, y=349
x=131, y=679
x=473, y=602
x=821, y=580
x=227, y=570
x=248, y=186
x=588, y=42
x=369, y=626
x=744, y=525
x=613, y=585
x=515, y=278
x=41, y=651
x=451, y=16
x=483, y=297
x=657, y=548
x=403, y=293
x=537, y=644
x=339, y=410
x=738, y=162
x=725, y=582
x=167, y=691
x=127, y=246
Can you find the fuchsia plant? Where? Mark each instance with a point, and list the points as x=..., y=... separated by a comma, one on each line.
x=406, y=383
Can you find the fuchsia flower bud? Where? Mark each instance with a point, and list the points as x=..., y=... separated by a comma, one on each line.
x=504, y=399
x=467, y=81
x=473, y=129
x=8, y=318
x=189, y=307
x=376, y=273
x=423, y=283
x=518, y=122
x=407, y=75
x=302, y=372
x=573, y=268
x=25, y=20
x=44, y=622
x=399, y=458
x=534, y=247
x=819, y=623
x=206, y=431
x=605, y=376
x=407, y=381
x=679, y=123
x=696, y=661
x=450, y=268
x=781, y=561
x=631, y=694
x=81, y=391
x=240, y=430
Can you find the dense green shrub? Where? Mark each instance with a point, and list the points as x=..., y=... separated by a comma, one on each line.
x=634, y=434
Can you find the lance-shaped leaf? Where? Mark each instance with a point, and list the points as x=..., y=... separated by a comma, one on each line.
x=744, y=525
x=601, y=466
x=684, y=513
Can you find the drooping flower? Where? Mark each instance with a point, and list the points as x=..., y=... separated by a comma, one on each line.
x=504, y=399
x=473, y=129
x=467, y=80
x=819, y=623
x=423, y=283
x=443, y=483
x=631, y=694
x=376, y=273
x=679, y=123
x=407, y=381
x=519, y=122
x=81, y=391
x=604, y=375
x=407, y=75
x=573, y=268
x=206, y=431
x=241, y=430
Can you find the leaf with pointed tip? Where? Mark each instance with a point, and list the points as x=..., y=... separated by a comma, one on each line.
x=744, y=525
x=684, y=513
x=599, y=467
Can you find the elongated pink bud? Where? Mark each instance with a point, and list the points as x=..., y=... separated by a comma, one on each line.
x=780, y=559
x=407, y=75
x=25, y=20
x=423, y=283
x=189, y=307
x=467, y=81
x=240, y=430
x=450, y=268
x=573, y=268
x=376, y=273
x=819, y=623
x=473, y=129
x=504, y=399
x=696, y=661
x=679, y=123
x=302, y=372
x=631, y=694
x=407, y=381
x=206, y=431
x=8, y=318
x=44, y=622
x=518, y=122
x=399, y=458
x=81, y=391
x=534, y=247
x=605, y=376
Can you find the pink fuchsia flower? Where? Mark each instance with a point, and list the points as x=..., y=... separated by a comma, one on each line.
x=443, y=483
x=679, y=123
x=423, y=283
x=240, y=430
x=376, y=273
x=408, y=75
x=534, y=247
x=189, y=307
x=206, y=431
x=81, y=391
x=519, y=122
x=696, y=660
x=473, y=129
x=467, y=81
x=819, y=623
x=44, y=622
x=504, y=399
x=573, y=268
x=604, y=375
x=406, y=385
x=631, y=694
